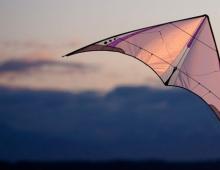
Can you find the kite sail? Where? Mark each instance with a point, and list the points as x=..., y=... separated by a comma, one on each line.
x=182, y=53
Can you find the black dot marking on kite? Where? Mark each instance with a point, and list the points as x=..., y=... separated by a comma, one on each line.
x=105, y=42
x=114, y=38
x=110, y=40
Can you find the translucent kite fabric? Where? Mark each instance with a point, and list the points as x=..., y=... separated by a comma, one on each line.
x=182, y=53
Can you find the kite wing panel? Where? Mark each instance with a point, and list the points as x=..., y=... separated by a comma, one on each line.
x=199, y=71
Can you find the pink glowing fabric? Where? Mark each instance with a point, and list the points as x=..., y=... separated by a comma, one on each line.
x=182, y=53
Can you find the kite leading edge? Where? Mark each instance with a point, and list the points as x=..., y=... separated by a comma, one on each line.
x=182, y=53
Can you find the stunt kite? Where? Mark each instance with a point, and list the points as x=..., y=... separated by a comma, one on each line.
x=182, y=53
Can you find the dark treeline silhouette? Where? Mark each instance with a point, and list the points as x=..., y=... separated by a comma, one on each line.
x=111, y=165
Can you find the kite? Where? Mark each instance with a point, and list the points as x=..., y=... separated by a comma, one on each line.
x=182, y=53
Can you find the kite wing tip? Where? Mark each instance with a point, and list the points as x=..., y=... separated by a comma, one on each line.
x=206, y=15
x=66, y=55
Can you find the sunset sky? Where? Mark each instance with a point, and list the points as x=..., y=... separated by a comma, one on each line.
x=33, y=31
x=85, y=103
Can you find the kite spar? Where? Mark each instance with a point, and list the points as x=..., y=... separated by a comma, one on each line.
x=182, y=53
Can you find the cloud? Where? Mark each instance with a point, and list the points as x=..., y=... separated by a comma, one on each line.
x=46, y=74
x=27, y=65
x=126, y=123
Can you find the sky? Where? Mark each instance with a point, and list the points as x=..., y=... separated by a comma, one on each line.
x=33, y=37
x=45, y=30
